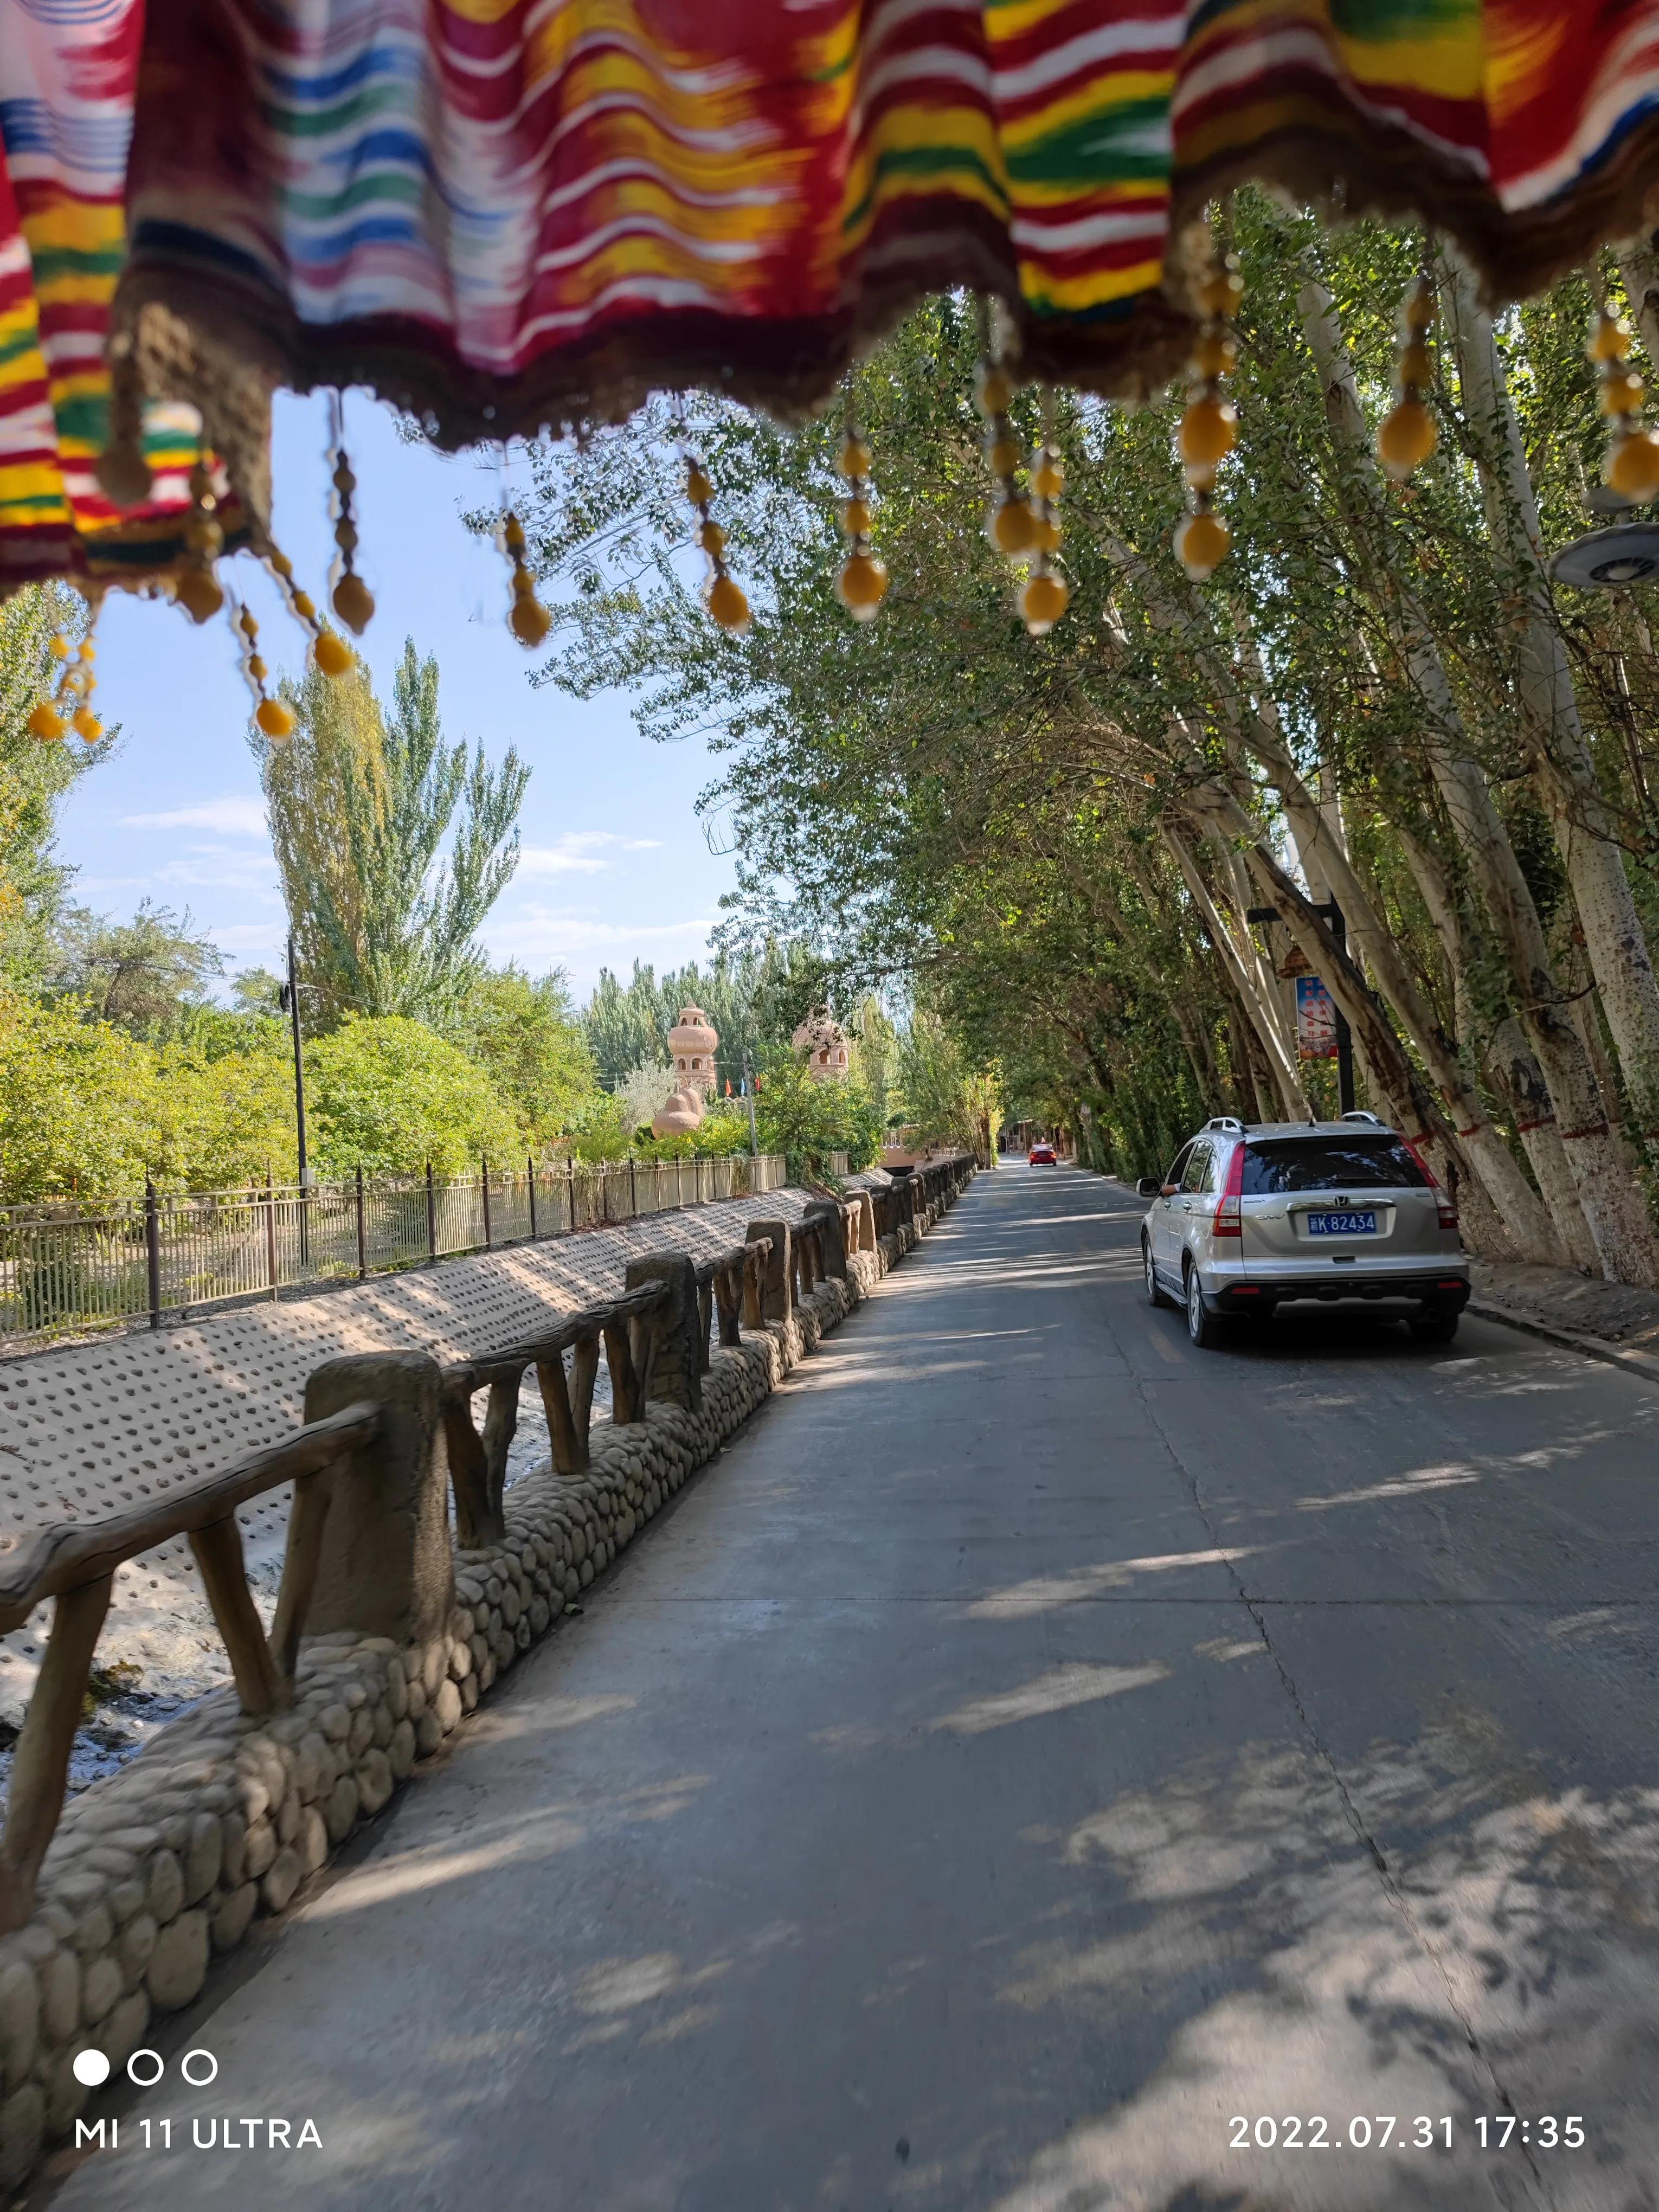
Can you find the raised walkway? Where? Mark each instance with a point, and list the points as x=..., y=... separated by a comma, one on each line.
x=1033, y=1750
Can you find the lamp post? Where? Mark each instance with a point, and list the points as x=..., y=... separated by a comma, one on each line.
x=289, y=1001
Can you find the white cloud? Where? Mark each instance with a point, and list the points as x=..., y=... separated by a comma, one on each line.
x=228, y=818
x=577, y=853
x=223, y=871
x=251, y=937
x=539, y=934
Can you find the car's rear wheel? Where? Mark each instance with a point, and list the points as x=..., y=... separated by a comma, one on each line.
x=1155, y=1296
x=1433, y=1329
x=1205, y=1327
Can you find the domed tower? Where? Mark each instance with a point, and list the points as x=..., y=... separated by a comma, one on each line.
x=824, y=1041
x=693, y=1041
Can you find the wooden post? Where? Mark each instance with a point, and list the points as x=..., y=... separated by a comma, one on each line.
x=624, y=1387
x=385, y=1566
x=260, y=1683
x=776, y=1299
x=483, y=1165
x=676, y=1377
x=570, y=1445
x=270, y=1232
x=40, y=1765
x=431, y=1216
x=468, y=1477
x=302, y=1558
x=530, y=1184
x=583, y=1373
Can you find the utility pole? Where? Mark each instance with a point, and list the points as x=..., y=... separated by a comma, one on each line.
x=290, y=1005
x=290, y=1002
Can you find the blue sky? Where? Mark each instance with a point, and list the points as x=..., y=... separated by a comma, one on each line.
x=615, y=862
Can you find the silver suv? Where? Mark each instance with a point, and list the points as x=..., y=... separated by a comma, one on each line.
x=1250, y=1219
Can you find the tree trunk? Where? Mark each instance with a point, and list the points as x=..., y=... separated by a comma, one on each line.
x=1585, y=827
x=1607, y=1198
x=1292, y=1101
x=1513, y=1067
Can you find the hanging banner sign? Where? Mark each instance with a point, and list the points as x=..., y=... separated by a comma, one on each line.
x=1316, y=1019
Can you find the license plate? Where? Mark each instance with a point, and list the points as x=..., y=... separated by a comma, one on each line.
x=1342, y=1224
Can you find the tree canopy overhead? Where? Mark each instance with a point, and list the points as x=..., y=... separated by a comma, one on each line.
x=1056, y=840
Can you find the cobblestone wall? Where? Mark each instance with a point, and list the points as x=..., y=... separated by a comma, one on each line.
x=164, y=1866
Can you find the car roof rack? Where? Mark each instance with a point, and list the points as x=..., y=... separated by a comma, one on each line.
x=1227, y=1121
x=1364, y=1114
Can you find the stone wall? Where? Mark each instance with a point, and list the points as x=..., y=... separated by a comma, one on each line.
x=162, y=1868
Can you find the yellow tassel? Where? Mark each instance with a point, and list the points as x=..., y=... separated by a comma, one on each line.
x=1408, y=434
x=861, y=585
x=723, y=596
x=1209, y=424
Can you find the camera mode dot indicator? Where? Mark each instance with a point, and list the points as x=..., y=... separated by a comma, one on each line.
x=91, y=2068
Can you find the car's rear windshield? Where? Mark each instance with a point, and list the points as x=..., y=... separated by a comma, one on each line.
x=1330, y=1164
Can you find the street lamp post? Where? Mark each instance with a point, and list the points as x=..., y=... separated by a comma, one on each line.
x=290, y=1005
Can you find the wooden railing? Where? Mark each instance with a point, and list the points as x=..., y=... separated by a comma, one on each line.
x=367, y=1545
x=74, y=1562
x=631, y=1330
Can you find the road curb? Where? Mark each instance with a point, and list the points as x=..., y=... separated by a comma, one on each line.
x=1592, y=1348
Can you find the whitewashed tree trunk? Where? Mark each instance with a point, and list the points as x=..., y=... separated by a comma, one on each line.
x=1292, y=1101
x=1585, y=829
x=1608, y=1203
x=1511, y=1065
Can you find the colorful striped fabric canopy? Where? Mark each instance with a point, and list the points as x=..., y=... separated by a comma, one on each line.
x=511, y=213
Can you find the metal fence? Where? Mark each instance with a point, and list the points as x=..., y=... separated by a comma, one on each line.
x=66, y=1271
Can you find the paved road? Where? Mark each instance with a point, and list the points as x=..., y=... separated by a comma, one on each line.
x=1033, y=1745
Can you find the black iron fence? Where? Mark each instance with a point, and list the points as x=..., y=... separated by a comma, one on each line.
x=67, y=1270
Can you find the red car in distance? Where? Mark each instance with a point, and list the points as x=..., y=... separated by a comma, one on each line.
x=1042, y=1155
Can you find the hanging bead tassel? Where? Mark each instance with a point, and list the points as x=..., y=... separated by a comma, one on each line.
x=724, y=597
x=1046, y=593
x=1631, y=468
x=70, y=708
x=528, y=619
x=196, y=589
x=862, y=584
x=273, y=718
x=1011, y=525
x=328, y=648
x=1209, y=427
x=351, y=599
x=1408, y=434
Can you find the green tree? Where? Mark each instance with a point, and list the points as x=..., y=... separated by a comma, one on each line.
x=141, y=975
x=627, y=1024
x=807, y=1121
x=34, y=777
x=392, y=845
x=80, y=1105
x=524, y=1033
x=390, y=1097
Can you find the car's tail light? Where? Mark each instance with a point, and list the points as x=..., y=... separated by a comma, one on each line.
x=1445, y=1203
x=1229, y=1213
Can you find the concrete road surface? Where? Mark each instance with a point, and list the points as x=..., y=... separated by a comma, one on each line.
x=1039, y=1767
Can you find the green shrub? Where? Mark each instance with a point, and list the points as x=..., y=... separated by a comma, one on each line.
x=389, y=1096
